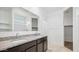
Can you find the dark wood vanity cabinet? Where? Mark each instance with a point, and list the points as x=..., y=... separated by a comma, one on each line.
x=39, y=45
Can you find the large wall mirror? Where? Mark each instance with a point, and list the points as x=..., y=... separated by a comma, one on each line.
x=17, y=19
x=5, y=19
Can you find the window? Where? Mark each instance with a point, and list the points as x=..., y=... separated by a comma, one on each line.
x=34, y=24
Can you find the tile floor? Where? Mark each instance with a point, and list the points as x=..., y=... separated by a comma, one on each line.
x=58, y=49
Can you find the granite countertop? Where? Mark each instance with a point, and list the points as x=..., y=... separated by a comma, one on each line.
x=15, y=42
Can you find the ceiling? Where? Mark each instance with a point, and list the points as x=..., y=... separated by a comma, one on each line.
x=50, y=9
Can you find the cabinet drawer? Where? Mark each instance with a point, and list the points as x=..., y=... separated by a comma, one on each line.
x=16, y=49
x=40, y=40
x=32, y=49
x=30, y=44
x=23, y=47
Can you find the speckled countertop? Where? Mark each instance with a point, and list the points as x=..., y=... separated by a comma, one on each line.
x=5, y=44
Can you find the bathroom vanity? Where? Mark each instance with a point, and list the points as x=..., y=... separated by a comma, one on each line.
x=25, y=44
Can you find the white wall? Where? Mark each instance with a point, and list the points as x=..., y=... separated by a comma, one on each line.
x=76, y=29
x=55, y=28
x=68, y=16
x=34, y=10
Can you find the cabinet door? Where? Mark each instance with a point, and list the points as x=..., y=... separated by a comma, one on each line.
x=45, y=45
x=40, y=47
x=32, y=49
x=17, y=49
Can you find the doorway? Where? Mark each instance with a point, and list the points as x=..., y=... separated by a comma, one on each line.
x=68, y=28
